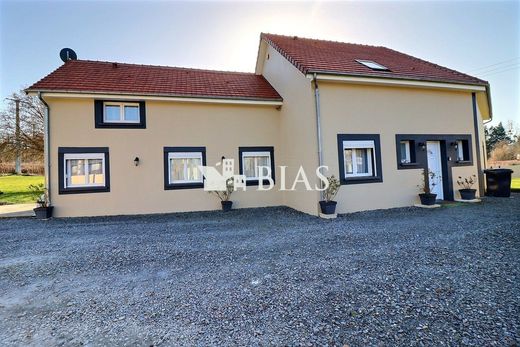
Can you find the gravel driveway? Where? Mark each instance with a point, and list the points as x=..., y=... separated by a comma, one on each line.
x=272, y=276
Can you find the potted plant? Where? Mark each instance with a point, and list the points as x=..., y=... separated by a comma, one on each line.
x=466, y=192
x=428, y=183
x=328, y=206
x=225, y=195
x=43, y=211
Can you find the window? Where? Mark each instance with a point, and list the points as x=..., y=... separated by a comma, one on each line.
x=83, y=170
x=182, y=167
x=405, y=152
x=462, y=148
x=372, y=65
x=119, y=114
x=256, y=162
x=359, y=158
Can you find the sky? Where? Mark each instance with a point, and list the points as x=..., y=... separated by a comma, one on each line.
x=479, y=38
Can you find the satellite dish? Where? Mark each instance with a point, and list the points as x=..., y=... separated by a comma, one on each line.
x=67, y=54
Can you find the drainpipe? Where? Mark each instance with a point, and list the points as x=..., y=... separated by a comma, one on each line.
x=46, y=147
x=318, y=125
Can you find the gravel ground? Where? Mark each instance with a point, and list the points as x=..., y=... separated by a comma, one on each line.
x=272, y=276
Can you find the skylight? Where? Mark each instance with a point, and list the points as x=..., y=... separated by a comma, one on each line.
x=372, y=65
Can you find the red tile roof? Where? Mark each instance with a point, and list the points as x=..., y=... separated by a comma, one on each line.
x=310, y=55
x=107, y=77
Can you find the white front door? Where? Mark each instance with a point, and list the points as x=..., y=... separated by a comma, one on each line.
x=435, y=166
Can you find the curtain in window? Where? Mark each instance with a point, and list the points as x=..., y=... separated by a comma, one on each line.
x=349, y=169
x=252, y=165
x=85, y=172
x=76, y=171
x=185, y=169
x=362, y=156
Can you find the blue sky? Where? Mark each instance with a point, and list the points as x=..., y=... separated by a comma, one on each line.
x=466, y=36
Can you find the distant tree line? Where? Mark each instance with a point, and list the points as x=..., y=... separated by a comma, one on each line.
x=502, y=143
x=31, y=129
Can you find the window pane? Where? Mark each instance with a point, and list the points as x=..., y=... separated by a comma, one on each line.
x=112, y=113
x=348, y=161
x=361, y=161
x=95, y=170
x=249, y=167
x=404, y=149
x=460, y=150
x=177, y=169
x=132, y=113
x=263, y=161
x=193, y=171
x=185, y=169
x=76, y=172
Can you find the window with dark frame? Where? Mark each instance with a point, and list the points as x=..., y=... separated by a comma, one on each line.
x=255, y=162
x=359, y=157
x=83, y=170
x=182, y=167
x=120, y=114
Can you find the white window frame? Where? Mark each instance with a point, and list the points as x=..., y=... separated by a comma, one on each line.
x=360, y=144
x=407, y=158
x=121, y=112
x=184, y=155
x=256, y=154
x=372, y=65
x=82, y=156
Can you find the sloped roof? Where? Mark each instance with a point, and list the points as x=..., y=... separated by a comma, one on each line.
x=108, y=77
x=309, y=55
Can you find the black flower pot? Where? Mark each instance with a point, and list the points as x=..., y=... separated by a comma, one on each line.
x=427, y=199
x=467, y=194
x=43, y=212
x=226, y=205
x=328, y=207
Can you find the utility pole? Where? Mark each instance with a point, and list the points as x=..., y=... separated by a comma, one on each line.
x=17, y=142
x=18, y=163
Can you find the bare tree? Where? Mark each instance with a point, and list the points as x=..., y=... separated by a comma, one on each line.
x=31, y=127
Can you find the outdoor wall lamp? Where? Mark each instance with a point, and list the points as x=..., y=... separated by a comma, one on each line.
x=136, y=161
x=422, y=146
x=455, y=145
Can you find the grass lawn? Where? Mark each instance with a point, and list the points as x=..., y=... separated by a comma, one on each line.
x=16, y=188
x=515, y=183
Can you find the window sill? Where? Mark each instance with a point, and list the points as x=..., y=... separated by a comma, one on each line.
x=120, y=125
x=257, y=182
x=84, y=190
x=464, y=162
x=184, y=186
x=360, y=180
x=408, y=164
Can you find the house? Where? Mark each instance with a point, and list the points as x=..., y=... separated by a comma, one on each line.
x=126, y=138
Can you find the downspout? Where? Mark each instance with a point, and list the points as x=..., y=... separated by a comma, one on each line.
x=480, y=170
x=318, y=125
x=46, y=147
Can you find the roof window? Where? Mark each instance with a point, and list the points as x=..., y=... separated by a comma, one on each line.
x=372, y=65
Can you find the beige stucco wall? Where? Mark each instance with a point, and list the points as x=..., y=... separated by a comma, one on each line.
x=135, y=190
x=351, y=109
x=297, y=127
